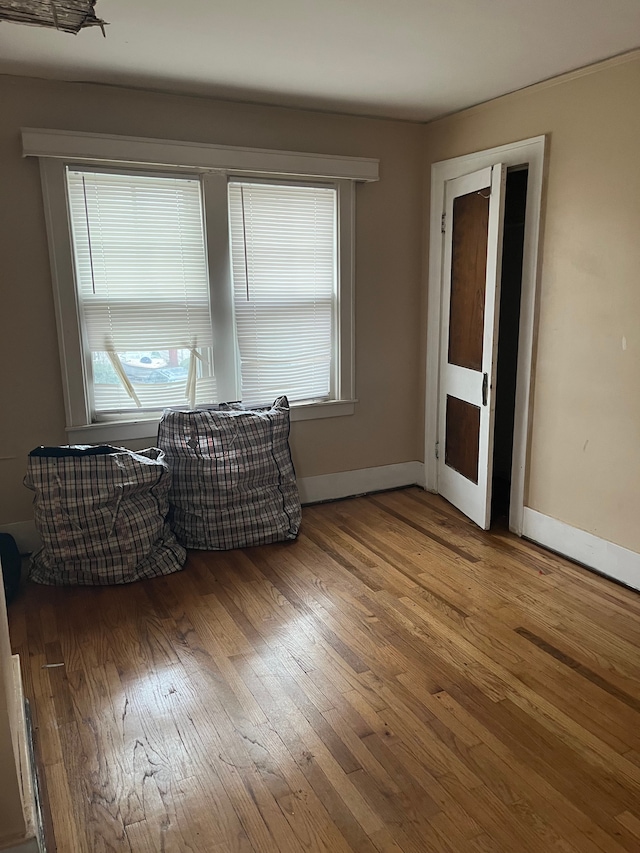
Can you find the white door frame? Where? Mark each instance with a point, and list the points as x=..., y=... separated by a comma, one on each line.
x=529, y=152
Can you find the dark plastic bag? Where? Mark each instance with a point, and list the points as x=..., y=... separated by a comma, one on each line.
x=11, y=566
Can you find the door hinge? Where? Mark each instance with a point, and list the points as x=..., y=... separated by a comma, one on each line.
x=443, y=223
x=437, y=450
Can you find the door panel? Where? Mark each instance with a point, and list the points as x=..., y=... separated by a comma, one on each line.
x=462, y=437
x=468, y=279
x=474, y=215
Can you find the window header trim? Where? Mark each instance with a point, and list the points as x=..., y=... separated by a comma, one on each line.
x=105, y=148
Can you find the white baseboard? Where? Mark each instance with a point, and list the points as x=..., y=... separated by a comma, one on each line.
x=324, y=487
x=344, y=484
x=25, y=533
x=606, y=557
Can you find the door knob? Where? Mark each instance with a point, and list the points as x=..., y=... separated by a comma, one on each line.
x=485, y=388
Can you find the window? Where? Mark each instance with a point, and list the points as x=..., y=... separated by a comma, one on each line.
x=284, y=254
x=142, y=290
x=195, y=284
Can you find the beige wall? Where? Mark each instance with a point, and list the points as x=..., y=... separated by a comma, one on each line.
x=585, y=440
x=385, y=428
x=584, y=459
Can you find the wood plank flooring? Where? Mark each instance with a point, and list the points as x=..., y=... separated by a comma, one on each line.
x=396, y=681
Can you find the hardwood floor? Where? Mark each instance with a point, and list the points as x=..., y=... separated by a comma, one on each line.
x=395, y=680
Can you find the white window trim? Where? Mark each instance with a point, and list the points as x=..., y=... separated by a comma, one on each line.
x=57, y=149
x=92, y=147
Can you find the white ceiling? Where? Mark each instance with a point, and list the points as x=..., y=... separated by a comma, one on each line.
x=410, y=59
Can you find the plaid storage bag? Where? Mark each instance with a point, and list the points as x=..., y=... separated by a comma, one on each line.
x=233, y=483
x=102, y=515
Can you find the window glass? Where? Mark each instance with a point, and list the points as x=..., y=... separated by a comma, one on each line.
x=143, y=289
x=283, y=240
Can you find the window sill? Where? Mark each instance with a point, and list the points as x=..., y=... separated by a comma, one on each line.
x=113, y=432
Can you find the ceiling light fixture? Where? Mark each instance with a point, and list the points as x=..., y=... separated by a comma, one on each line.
x=70, y=16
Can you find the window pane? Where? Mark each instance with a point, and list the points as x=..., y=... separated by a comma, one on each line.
x=143, y=288
x=283, y=241
x=157, y=378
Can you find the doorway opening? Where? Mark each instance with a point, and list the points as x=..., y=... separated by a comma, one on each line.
x=447, y=184
x=508, y=336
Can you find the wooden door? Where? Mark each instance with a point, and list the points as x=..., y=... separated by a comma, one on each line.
x=473, y=223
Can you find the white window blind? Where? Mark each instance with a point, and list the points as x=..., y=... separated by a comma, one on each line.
x=143, y=292
x=284, y=247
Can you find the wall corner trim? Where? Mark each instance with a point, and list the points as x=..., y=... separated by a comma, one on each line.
x=605, y=557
